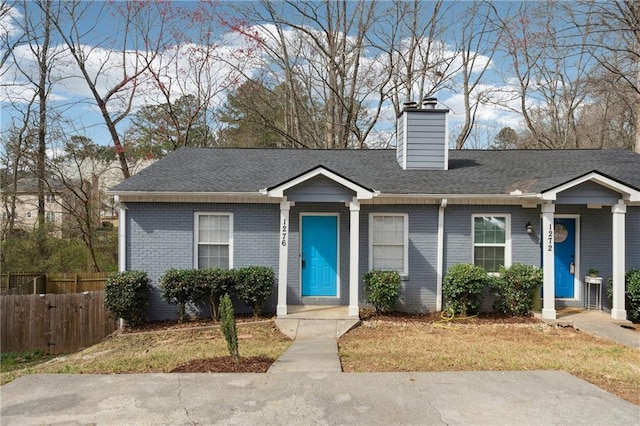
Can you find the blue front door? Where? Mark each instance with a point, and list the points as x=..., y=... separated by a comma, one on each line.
x=565, y=246
x=319, y=255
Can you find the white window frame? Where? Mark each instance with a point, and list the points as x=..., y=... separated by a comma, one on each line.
x=50, y=217
x=196, y=234
x=507, y=237
x=405, y=266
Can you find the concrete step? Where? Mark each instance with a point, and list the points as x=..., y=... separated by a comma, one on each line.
x=313, y=329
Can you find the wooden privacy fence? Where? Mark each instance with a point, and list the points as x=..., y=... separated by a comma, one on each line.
x=53, y=323
x=8, y=282
x=54, y=283
x=76, y=283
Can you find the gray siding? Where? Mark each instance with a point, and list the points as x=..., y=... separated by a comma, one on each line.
x=588, y=193
x=419, y=287
x=400, y=140
x=633, y=238
x=426, y=139
x=160, y=237
x=319, y=189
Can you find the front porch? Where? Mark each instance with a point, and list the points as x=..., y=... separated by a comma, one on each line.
x=593, y=191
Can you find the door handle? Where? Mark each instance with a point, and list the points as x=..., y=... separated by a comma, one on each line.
x=572, y=268
x=303, y=262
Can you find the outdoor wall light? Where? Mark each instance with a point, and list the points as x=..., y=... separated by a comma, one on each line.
x=529, y=228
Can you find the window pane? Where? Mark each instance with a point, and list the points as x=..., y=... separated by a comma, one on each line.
x=388, y=230
x=213, y=256
x=489, y=230
x=388, y=258
x=213, y=228
x=490, y=258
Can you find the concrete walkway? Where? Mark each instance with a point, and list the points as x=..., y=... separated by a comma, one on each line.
x=314, y=330
x=599, y=324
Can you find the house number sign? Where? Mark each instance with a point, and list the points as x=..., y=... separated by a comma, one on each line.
x=284, y=232
x=550, y=238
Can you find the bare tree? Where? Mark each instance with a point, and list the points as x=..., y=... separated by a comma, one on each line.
x=411, y=41
x=613, y=38
x=551, y=69
x=129, y=48
x=478, y=43
x=319, y=48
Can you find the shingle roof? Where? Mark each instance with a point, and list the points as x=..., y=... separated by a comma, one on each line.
x=470, y=171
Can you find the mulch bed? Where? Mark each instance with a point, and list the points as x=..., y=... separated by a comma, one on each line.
x=370, y=315
x=225, y=364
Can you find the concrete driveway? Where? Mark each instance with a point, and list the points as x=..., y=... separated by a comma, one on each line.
x=513, y=398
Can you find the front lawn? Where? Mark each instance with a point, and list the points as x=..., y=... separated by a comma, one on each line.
x=415, y=344
x=161, y=351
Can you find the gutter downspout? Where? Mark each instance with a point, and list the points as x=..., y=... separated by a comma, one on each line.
x=122, y=243
x=440, y=265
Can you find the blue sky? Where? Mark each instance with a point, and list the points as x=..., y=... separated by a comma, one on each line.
x=72, y=98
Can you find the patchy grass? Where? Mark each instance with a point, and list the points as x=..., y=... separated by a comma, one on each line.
x=392, y=345
x=10, y=361
x=161, y=351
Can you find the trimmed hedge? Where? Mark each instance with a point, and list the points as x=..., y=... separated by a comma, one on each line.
x=631, y=294
x=514, y=287
x=254, y=285
x=213, y=283
x=383, y=289
x=125, y=296
x=179, y=286
x=463, y=286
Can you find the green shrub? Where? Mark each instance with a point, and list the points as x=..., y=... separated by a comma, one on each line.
x=463, y=286
x=514, y=287
x=180, y=286
x=254, y=285
x=631, y=294
x=383, y=289
x=228, y=326
x=125, y=296
x=213, y=283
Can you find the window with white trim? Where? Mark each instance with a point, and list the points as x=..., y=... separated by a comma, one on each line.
x=214, y=240
x=51, y=217
x=389, y=242
x=491, y=241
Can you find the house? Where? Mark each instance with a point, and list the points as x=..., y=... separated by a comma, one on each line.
x=323, y=218
x=25, y=195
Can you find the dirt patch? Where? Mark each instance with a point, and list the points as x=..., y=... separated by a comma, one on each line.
x=225, y=364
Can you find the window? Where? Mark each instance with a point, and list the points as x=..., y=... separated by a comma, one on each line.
x=214, y=241
x=28, y=215
x=491, y=239
x=51, y=216
x=389, y=242
x=50, y=198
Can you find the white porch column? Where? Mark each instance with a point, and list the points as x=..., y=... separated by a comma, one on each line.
x=285, y=206
x=548, y=261
x=354, y=257
x=618, y=310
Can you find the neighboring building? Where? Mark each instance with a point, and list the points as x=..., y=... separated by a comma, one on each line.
x=323, y=218
x=26, y=205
